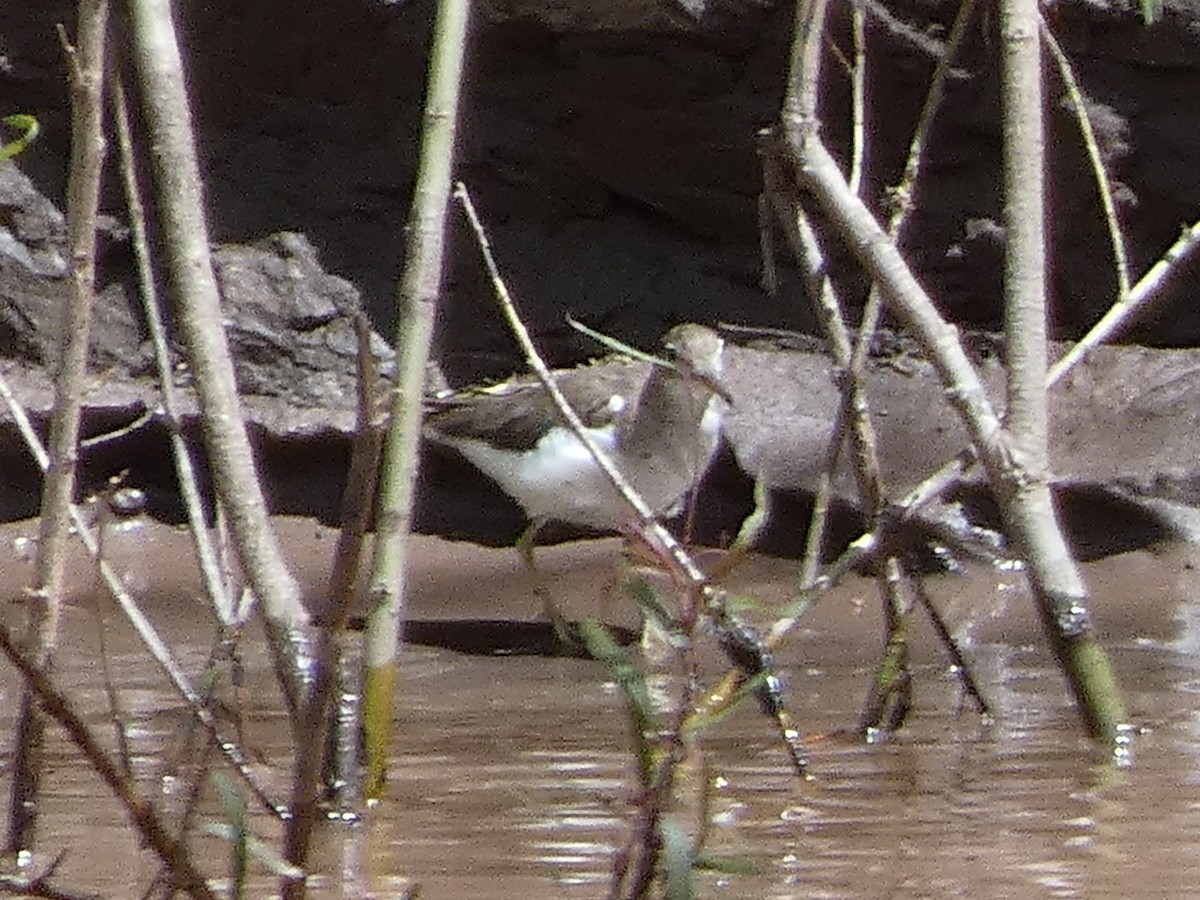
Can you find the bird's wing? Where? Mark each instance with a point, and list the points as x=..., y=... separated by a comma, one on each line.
x=515, y=414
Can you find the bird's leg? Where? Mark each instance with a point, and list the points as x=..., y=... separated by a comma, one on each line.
x=756, y=523
x=526, y=547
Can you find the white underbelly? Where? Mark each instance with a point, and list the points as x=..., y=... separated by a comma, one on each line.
x=559, y=479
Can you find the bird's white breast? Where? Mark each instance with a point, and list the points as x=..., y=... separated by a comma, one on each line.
x=558, y=478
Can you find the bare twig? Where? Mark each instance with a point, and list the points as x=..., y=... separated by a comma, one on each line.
x=417, y=297
x=1024, y=490
x=648, y=525
x=141, y=624
x=905, y=194
x=150, y=826
x=356, y=519
x=197, y=513
x=85, y=64
x=1125, y=309
x=959, y=662
x=1103, y=182
x=1061, y=600
x=858, y=98
x=201, y=322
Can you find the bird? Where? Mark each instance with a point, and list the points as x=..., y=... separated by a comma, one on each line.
x=660, y=430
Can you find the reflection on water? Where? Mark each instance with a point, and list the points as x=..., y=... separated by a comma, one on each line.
x=513, y=776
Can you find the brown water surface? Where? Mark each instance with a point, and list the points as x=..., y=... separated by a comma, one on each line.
x=513, y=778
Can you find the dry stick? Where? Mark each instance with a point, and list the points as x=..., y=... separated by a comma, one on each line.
x=801, y=102
x=99, y=440
x=904, y=204
x=1025, y=325
x=773, y=206
x=1123, y=311
x=807, y=251
x=889, y=695
x=898, y=221
x=1103, y=182
x=957, y=660
x=356, y=518
x=417, y=297
x=1118, y=316
x=903, y=196
x=193, y=501
x=799, y=108
x=892, y=677
x=359, y=496
x=769, y=208
x=917, y=36
x=657, y=536
x=967, y=394
x=230, y=613
x=201, y=321
x=1024, y=491
x=85, y=66
x=116, y=709
x=818, y=520
x=142, y=625
x=858, y=98
x=685, y=571
x=854, y=416
x=358, y=505
x=152, y=829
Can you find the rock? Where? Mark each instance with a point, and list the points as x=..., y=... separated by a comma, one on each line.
x=290, y=323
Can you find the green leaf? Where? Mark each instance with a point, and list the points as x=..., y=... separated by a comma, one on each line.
x=29, y=128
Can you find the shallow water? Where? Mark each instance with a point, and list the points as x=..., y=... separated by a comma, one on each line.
x=513, y=777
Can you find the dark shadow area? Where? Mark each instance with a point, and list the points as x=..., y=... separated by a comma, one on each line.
x=500, y=637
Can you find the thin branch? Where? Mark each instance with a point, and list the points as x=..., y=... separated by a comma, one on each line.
x=201, y=321
x=144, y=815
x=193, y=501
x=417, y=302
x=882, y=260
x=648, y=525
x=858, y=98
x=142, y=625
x=1122, y=313
x=905, y=194
x=85, y=65
x=1103, y=182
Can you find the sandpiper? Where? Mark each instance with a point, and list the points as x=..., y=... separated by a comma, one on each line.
x=661, y=432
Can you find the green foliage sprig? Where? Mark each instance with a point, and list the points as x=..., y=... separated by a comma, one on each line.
x=29, y=128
